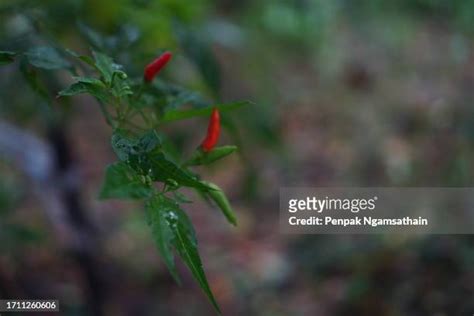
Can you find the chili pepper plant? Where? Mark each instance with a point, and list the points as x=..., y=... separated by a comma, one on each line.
x=136, y=109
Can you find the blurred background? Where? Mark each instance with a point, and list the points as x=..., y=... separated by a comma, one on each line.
x=346, y=93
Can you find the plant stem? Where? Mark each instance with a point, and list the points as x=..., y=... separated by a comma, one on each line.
x=108, y=117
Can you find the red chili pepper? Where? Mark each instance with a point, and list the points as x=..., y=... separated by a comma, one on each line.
x=213, y=131
x=153, y=68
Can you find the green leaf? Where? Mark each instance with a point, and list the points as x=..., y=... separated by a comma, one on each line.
x=106, y=66
x=190, y=255
x=46, y=57
x=83, y=87
x=112, y=75
x=145, y=156
x=121, y=87
x=89, y=85
x=122, y=182
x=160, y=212
x=86, y=59
x=7, y=57
x=125, y=147
x=219, y=197
x=171, y=226
x=186, y=245
x=90, y=80
x=175, y=115
x=202, y=158
x=162, y=169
